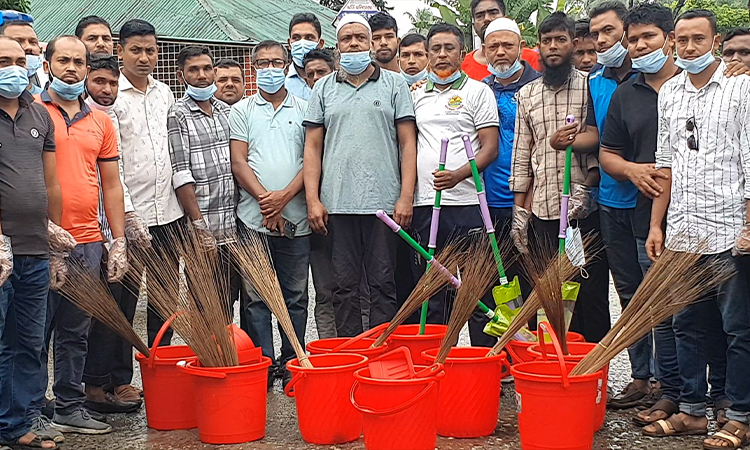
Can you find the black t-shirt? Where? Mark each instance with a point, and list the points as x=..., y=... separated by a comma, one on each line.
x=631, y=130
x=23, y=192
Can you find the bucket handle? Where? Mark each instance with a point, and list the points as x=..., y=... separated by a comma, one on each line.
x=182, y=365
x=545, y=327
x=160, y=335
x=504, y=368
x=516, y=358
x=369, y=333
x=289, y=389
x=396, y=409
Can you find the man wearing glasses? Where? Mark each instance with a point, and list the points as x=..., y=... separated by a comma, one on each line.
x=703, y=147
x=267, y=144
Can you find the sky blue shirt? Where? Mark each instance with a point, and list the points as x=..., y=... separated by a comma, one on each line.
x=296, y=85
x=276, y=143
x=497, y=173
x=602, y=84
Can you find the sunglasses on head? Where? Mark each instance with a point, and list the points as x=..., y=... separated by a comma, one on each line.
x=692, y=140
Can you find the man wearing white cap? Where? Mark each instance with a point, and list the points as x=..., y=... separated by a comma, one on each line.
x=451, y=105
x=365, y=119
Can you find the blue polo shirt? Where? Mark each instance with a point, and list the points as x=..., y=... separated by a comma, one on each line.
x=602, y=84
x=497, y=173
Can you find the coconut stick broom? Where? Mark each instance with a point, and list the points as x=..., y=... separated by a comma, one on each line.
x=252, y=257
x=92, y=295
x=676, y=280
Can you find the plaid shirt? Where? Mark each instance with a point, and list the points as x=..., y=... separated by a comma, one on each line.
x=541, y=111
x=199, y=148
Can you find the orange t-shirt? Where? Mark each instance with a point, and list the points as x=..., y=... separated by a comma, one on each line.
x=477, y=71
x=81, y=142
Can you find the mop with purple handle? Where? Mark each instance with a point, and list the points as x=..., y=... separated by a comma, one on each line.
x=564, y=200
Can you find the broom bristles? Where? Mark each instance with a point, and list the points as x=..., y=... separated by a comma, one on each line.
x=92, y=295
x=674, y=281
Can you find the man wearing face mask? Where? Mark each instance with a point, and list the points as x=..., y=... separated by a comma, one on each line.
x=364, y=118
x=413, y=58
x=86, y=142
x=24, y=34
x=703, y=142
x=267, y=144
x=305, y=35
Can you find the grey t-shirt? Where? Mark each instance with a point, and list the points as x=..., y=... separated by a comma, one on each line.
x=23, y=192
x=361, y=170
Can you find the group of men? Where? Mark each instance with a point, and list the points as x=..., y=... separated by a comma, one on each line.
x=116, y=165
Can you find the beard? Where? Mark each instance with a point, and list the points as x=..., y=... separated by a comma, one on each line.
x=445, y=73
x=503, y=67
x=383, y=57
x=557, y=75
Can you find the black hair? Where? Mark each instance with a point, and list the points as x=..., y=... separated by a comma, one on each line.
x=446, y=28
x=741, y=31
x=610, y=5
x=228, y=64
x=106, y=62
x=192, y=51
x=319, y=53
x=411, y=39
x=10, y=23
x=135, y=27
x=90, y=20
x=474, y=3
x=268, y=44
x=383, y=21
x=557, y=21
x=306, y=18
x=651, y=14
x=699, y=14
x=50, y=51
x=582, y=28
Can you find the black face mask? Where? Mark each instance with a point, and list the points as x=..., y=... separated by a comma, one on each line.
x=557, y=75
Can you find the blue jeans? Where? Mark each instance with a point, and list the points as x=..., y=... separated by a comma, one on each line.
x=693, y=333
x=70, y=326
x=291, y=259
x=23, y=302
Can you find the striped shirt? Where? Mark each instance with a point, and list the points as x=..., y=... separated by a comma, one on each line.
x=709, y=194
x=541, y=111
x=199, y=148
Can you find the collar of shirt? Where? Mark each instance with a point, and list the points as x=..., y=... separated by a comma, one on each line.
x=458, y=84
x=374, y=77
x=85, y=110
x=125, y=84
x=717, y=78
x=528, y=75
x=609, y=72
x=260, y=101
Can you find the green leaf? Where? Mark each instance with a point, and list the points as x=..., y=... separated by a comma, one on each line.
x=447, y=15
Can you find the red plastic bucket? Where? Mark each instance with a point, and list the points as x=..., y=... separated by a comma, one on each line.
x=555, y=411
x=577, y=351
x=408, y=336
x=470, y=392
x=324, y=412
x=167, y=391
x=230, y=402
x=361, y=347
x=398, y=414
x=519, y=350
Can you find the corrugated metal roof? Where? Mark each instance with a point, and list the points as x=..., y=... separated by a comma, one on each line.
x=204, y=20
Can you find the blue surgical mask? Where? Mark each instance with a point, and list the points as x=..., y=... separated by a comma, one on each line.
x=270, y=80
x=356, y=62
x=67, y=91
x=614, y=57
x=201, y=94
x=300, y=49
x=36, y=90
x=33, y=63
x=432, y=76
x=652, y=62
x=698, y=64
x=508, y=73
x=13, y=81
x=411, y=79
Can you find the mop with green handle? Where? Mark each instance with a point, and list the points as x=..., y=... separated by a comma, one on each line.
x=430, y=259
x=434, y=227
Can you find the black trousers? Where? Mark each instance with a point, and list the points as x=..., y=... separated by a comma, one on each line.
x=361, y=242
x=591, y=315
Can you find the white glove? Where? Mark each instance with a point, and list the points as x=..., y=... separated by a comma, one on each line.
x=58, y=270
x=59, y=239
x=136, y=230
x=519, y=230
x=117, y=260
x=742, y=245
x=6, y=259
x=583, y=202
x=206, y=239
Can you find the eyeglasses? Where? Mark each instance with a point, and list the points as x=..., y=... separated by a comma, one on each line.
x=266, y=63
x=692, y=140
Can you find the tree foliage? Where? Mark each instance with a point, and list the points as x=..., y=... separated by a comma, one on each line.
x=17, y=5
x=422, y=20
x=728, y=15
x=336, y=5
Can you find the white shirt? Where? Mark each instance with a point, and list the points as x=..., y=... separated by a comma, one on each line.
x=146, y=165
x=709, y=194
x=463, y=108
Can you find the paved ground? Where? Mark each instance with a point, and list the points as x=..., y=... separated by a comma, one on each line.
x=131, y=432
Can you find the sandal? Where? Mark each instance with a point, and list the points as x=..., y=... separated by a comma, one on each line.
x=673, y=427
x=730, y=434
x=650, y=399
x=37, y=442
x=627, y=398
x=665, y=405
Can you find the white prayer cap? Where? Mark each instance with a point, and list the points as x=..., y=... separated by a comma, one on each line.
x=502, y=24
x=351, y=18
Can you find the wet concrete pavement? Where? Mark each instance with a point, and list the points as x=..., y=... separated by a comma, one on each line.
x=131, y=432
